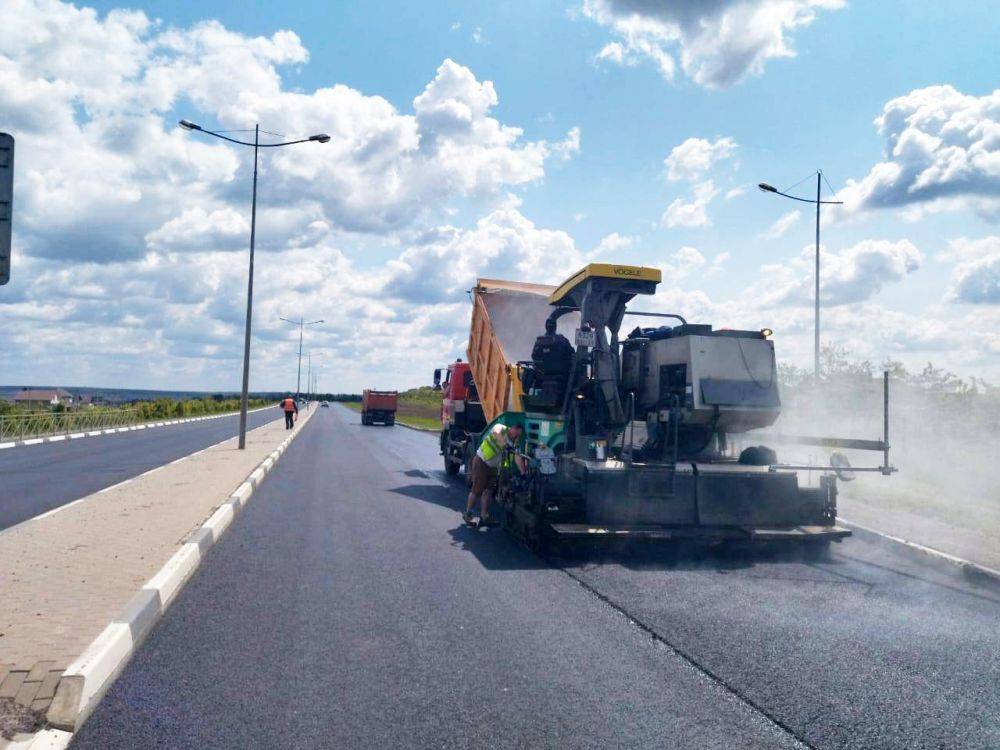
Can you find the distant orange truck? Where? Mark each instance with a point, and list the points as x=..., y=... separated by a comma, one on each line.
x=378, y=406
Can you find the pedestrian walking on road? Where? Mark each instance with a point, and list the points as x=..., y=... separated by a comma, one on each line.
x=291, y=410
x=485, y=467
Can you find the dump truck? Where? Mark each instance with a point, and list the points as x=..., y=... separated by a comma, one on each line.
x=378, y=406
x=631, y=434
x=462, y=416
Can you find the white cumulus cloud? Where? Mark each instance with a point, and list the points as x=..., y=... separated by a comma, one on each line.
x=695, y=156
x=130, y=263
x=942, y=152
x=717, y=43
x=782, y=225
x=693, y=213
x=975, y=279
x=852, y=275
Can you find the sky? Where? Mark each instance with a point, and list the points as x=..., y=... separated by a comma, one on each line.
x=498, y=140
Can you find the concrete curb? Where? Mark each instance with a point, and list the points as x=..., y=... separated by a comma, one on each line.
x=973, y=571
x=417, y=429
x=85, y=681
x=111, y=431
x=47, y=739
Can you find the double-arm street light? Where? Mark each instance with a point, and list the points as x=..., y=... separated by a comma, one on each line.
x=257, y=145
x=819, y=186
x=301, y=323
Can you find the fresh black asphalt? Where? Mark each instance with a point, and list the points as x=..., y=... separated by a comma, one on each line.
x=348, y=607
x=38, y=478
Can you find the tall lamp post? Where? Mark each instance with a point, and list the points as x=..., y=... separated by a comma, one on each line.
x=257, y=145
x=301, y=323
x=310, y=383
x=819, y=202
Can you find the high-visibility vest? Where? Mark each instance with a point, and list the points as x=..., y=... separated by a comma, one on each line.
x=490, y=450
x=288, y=404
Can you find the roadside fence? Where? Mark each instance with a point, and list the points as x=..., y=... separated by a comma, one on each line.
x=39, y=424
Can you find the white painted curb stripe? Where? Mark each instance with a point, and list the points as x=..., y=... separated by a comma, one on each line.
x=170, y=578
x=47, y=739
x=113, y=431
x=85, y=681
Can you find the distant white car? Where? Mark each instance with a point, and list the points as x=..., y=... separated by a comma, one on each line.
x=325, y=405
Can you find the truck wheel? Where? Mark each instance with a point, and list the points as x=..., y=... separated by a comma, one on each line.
x=390, y=421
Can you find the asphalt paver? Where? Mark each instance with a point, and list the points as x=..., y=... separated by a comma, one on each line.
x=349, y=607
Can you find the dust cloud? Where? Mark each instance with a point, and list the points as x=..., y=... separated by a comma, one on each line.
x=943, y=439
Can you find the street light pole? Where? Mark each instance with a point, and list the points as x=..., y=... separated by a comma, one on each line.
x=819, y=202
x=819, y=177
x=245, y=392
x=257, y=145
x=301, y=323
x=298, y=377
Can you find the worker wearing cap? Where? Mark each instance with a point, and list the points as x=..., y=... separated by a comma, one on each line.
x=290, y=408
x=485, y=466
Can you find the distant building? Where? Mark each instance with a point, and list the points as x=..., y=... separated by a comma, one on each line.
x=33, y=397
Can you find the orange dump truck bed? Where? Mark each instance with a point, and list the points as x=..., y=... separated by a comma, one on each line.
x=507, y=317
x=378, y=400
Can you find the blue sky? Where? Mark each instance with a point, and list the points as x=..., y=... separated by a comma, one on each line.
x=928, y=263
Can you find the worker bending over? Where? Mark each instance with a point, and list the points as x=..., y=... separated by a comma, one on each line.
x=290, y=408
x=485, y=467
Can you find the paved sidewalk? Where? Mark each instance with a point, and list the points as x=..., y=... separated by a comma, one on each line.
x=66, y=574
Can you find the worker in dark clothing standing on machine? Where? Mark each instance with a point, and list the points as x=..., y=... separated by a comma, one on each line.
x=552, y=356
x=291, y=410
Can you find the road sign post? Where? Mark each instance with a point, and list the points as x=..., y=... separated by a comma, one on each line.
x=6, y=203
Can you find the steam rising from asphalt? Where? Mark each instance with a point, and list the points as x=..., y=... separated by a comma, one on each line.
x=945, y=445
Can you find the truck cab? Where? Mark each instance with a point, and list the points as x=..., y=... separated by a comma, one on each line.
x=461, y=415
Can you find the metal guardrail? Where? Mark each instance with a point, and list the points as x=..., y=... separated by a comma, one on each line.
x=41, y=424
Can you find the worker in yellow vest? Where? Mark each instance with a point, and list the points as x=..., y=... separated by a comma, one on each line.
x=485, y=467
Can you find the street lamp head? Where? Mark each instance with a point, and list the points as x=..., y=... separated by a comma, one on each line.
x=322, y=138
x=188, y=125
x=767, y=188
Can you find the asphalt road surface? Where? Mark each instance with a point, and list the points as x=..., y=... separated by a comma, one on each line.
x=38, y=478
x=349, y=607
